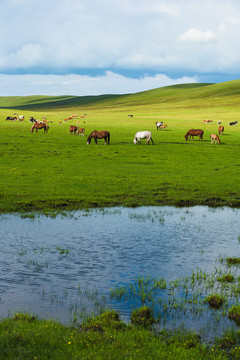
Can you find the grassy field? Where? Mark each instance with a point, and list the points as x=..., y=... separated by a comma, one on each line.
x=57, y=170
x=105, y=337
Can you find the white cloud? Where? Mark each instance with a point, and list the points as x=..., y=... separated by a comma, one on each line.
x=80, y=36
x=109, y=83
x=195, y=35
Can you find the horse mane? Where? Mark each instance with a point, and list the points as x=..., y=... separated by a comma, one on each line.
x=91, y=135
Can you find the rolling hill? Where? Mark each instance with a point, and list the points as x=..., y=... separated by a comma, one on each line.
x=186, y=95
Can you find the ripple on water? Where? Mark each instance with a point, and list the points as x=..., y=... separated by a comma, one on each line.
x=46, y=262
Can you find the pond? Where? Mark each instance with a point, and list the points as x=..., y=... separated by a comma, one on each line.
x=57, y=267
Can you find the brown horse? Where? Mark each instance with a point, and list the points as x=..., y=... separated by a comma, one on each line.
x=38, y=126
x=99, y=135
x=81, y=131
x=214, y=138
x=73, y=129
x=191, y=133
x=220, y=130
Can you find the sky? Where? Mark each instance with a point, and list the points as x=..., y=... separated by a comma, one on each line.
x=94, y=47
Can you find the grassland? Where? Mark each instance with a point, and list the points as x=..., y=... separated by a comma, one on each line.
x=56, y=171
x=104, y=337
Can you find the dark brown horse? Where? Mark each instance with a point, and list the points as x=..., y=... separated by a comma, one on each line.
x=99, y=135
x=194, y=132
x=73, y=129
x=38, y=126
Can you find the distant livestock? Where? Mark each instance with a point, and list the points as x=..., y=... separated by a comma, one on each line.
x=143, y=135
x=130, y=115
x=158, y=124
x=194, y=132
x=73, y=129
x=233, y=123
x=81, y=131
x=14, y=118
x=219, y=122
x=214, y=139
x=220, y=130
x=207, y=121
x=162, y=127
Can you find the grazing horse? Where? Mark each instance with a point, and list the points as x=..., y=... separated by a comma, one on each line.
x=14, y=118
x=163, y=127
x=233, y=123
x=38, y=126
x=220, y=130
x=191, y=133
x=158, y=124
x=99, y=135
x=81, y=131
x=214, y=138
x=73, y=129
x=207, y=121
x=143, y=135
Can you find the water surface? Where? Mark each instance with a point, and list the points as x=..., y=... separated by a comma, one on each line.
x=47, y=264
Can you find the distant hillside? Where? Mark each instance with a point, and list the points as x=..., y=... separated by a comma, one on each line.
x=49, y=102
x=186, y=95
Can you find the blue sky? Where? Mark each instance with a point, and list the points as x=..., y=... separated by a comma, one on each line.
x=92, y=47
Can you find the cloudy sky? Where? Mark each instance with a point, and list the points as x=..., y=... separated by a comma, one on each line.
x=92, y=47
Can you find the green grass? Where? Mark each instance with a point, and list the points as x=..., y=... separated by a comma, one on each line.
x=24, y=337
x=56, y=171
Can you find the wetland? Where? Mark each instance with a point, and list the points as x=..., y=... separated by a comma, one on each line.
x=61, y=267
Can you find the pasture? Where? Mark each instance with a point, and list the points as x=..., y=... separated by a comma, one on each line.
x=57, y=170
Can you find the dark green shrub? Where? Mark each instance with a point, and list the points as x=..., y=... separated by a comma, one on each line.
x=233, y=261
x=234, y=313
x=226, y=278
x=142, y=317
x=214, y=301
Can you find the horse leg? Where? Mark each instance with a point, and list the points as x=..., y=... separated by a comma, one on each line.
x=152, y=141
x=95, y=140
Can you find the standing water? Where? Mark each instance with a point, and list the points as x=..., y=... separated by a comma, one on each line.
x=53, y=267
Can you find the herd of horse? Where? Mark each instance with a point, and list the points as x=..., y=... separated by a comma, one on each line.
x=140, y=135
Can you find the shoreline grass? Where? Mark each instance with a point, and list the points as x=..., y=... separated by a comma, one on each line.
x=25, y=337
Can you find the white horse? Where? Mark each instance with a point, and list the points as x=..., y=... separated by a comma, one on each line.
x=142, y=135
x=158, y=124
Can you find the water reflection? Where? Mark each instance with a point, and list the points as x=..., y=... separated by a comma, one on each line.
x=51, y=266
